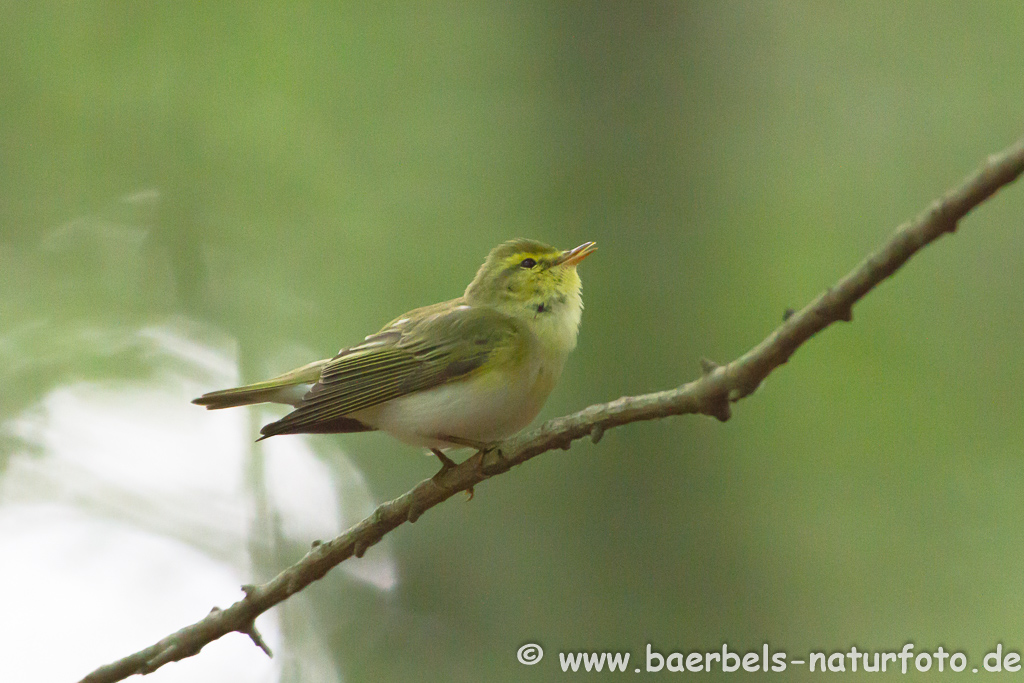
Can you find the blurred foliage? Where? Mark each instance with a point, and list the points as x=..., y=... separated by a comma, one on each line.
x=297, y=175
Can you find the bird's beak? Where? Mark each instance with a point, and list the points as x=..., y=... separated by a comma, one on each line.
x=571, y=257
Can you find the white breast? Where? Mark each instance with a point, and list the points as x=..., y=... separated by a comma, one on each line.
x=487, y=408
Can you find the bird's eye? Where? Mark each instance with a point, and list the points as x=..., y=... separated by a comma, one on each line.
x=527, y=263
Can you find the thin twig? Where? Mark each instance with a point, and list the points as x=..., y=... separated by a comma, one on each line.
x=710, y=394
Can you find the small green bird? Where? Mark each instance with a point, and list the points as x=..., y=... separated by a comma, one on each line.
x=465, y=372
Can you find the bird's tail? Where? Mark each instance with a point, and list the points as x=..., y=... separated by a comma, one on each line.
x=288, y=388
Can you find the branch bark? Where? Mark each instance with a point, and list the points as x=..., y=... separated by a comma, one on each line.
x=711, y=394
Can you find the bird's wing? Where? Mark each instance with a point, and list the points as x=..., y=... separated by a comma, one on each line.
x=425, y=349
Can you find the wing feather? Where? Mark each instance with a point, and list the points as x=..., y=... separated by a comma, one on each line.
x=412, y=354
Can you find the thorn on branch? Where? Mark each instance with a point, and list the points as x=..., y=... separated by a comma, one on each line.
x=362, y=545
x=940, y=210
x=834, y=307
x=315, y=544
x=172, y=652
x=788, y=313
x=708, y=366
x=248, y=589
x=718, y=408
x=596, y=433
x=411, y=516
x=255, y=636
x=153, y=664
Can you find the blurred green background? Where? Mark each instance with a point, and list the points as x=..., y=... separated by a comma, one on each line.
x=292, y=177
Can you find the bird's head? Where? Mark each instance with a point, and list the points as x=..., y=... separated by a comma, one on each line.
x=530, y=280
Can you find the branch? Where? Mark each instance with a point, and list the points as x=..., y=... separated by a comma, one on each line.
x=710, y=394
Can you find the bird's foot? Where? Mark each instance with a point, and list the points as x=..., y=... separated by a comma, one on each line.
x=484, y=449
x=447, y=463
x=493, y=461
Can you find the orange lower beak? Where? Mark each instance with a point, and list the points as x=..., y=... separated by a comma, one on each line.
x=571, y=257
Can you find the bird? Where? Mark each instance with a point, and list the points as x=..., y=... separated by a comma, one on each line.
x=468, y=372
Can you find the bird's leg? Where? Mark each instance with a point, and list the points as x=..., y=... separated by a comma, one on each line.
x=446, y=462
x=480, y=446
x=470, y=443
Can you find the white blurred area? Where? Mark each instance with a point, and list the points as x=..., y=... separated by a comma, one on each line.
x=127, y=513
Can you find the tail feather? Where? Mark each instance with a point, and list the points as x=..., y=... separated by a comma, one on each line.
x=248, y=395
x=287, y=388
